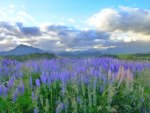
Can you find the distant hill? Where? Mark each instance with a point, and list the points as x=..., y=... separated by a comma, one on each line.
x=106, y=52
x=22, y=50
x=129, y=48
x=126, y=50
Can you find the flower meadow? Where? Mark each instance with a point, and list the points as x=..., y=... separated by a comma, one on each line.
x=77, y=85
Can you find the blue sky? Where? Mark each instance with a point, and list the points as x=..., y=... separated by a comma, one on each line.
x=72, y=25
x=57, y=11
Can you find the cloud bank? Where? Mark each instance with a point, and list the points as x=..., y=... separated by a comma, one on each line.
x=127, y=24
x=50, y=37
x=122, y=27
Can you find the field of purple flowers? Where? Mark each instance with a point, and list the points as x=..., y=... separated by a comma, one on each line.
x=63, y=85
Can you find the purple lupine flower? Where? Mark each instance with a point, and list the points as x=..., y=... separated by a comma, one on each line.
x=1, y=90
x=86, y=81
x=15, y=95
x=60, y=107
x=30, y=82
x=78, y=99
x=101, y=88
x=11, y=82
x=5, y=91
x=63, y=89
x=43, y=78
x=33, y=95
x=36, y=110
x=37, y=82
x=94, y=84
x=21, y=87
x=48, y=80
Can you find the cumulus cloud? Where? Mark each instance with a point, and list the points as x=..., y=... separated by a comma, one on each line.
x=7, y=44
x=29, y=31
x=13, y=34
x=133, y=22
x=70, y=37
x=7, y=29
x=18, y=30
x=89, y=38
x=60, y=38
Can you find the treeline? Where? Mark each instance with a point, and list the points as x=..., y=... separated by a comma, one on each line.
x=134, y=56
x=37, y=56
x=32, y=56
x=129, y=56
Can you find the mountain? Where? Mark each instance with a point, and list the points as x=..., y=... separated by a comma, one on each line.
x=125, y=50
x=22, y=50
x=129, y=48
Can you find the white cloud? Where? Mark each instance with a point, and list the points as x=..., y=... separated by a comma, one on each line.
x=133, y=22
x=71, y=20
x=101, y=47
x=54, y=37
x=105, y=19
x=23, y=17
x=7, y=44
x=14, y=14
x=59, y=44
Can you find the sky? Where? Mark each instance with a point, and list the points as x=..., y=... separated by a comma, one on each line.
x=74, y=25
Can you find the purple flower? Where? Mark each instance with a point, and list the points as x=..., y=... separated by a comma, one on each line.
x=21, y=87
x=31, y=83
x=43, y=78
x=49, y=80
x=5, y=91
x=11, y=82
x=94, y=84
x=63, y=89
x=1, y=90
x=15, y=95
x=78, y=99
x=37, y=82
x=33, y=95
x=101, y=88
x=60, y=107
x=36, y=110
